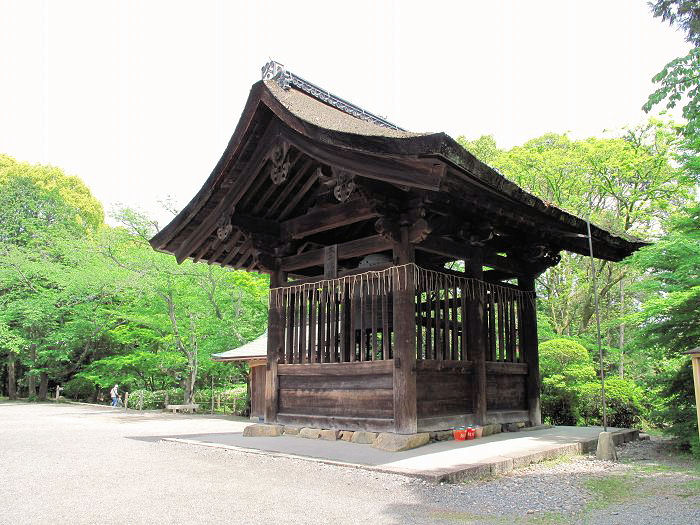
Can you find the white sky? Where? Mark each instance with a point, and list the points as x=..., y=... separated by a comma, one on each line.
x=140, y=98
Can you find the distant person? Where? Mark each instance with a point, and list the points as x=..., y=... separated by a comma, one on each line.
x=115, y=395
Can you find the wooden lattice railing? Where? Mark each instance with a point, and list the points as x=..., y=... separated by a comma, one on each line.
x=350, y=318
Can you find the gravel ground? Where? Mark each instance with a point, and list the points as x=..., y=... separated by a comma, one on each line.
x=85, y=464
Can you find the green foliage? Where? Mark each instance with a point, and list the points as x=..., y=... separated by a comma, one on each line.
x=79, y=388
x=624, y=403
x=571, y=392
x=667, y=321
x=669, y=317
x=627, y=184
x=230, y=399
x=683, y=13
x=564, y=366
x=677, y=412
x=678, y=81
x=97, y=306
x=50, y=196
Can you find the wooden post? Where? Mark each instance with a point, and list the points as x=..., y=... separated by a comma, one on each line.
x=275, y=339
x=141, y=400
x=165, y=403
x=529, y=351
x=58, y=391
x=405, y=406
x=330, y=271
x=477, y=340
x=126, y=401
x=212, y=395
x=330, y=261
x=695, y=363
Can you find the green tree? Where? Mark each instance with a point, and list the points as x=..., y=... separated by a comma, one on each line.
x=668, y=321
x=192, y=310
x=626, y=184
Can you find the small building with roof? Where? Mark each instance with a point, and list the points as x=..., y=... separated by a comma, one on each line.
x=402, y=268
x=255, y=354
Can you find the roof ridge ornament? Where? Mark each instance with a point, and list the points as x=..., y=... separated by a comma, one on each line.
x=286, y=80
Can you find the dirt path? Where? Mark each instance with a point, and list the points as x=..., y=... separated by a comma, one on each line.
x=86, y=464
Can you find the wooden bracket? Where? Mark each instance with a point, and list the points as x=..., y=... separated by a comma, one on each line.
x=388, y=228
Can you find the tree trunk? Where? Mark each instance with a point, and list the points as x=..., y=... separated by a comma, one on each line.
x=190, y=379
x=43, y=386
x=31, y=380
x=11, y=377
x=622, y=331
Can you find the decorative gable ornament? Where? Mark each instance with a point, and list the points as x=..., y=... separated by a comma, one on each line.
x=224, y=227
x=280, y=163
x=344, y=185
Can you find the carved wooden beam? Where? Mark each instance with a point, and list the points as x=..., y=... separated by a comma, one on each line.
x=329, y=218
x=346, y=250
x=255, y=225
x=455, y=250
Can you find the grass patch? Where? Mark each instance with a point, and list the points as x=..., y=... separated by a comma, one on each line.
x=548, y=518
x=559, y=460
x=688, y=489
x=611, y=490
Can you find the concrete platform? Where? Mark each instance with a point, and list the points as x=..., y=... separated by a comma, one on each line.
x=441, y=461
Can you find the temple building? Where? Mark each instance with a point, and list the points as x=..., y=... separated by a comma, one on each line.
x=402, y=268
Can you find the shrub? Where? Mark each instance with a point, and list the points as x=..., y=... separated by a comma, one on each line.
x=678, y=411
x=564, y=366
x=79, y=388
x=623, y=401
x=234, y=395
x=558, y=354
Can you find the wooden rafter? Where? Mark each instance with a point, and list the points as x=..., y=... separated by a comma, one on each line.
x=230, y=199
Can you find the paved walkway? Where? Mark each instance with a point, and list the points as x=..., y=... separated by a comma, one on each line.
x=441, y=461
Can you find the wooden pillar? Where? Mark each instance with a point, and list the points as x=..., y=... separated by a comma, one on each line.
x=275, y=340
x=530, y=352
x=405, y=406
x=477, y=337
x=695, y=363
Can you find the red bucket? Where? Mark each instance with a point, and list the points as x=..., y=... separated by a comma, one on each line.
x=460, y=434
x=471, y=433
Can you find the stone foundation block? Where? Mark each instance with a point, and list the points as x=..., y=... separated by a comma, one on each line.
x=291, y=431
x=606, y=447
x=329, y=435
x=510, y=427
x=442, y=435
x=263, y=430
x=398, y=442
x=491, y=429
x=366, y=438
x=310, y=433
x=346, y=435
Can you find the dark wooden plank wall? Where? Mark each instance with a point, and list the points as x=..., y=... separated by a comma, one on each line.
x=347, y=390
x=444, y=392
x=257, y=391
x=506, y=392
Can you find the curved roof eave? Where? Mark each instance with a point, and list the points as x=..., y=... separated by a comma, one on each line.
x=381, y=143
